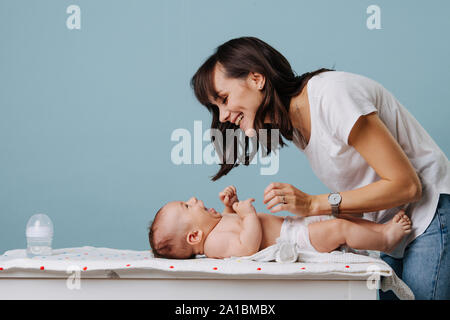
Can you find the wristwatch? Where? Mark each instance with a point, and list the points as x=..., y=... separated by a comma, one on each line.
x=334, y=199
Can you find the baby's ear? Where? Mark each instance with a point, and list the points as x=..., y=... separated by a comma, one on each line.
x=194, y=237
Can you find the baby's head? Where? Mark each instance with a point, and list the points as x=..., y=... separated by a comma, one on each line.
x=180, y=228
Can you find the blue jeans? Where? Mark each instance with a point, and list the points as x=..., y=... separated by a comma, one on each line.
x=425, y=266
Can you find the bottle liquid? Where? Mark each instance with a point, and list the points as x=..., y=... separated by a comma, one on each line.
x=39, y=234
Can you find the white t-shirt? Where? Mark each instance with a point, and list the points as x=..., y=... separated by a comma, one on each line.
x=337, y=99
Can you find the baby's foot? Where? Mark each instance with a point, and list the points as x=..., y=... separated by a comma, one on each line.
x=395, y=230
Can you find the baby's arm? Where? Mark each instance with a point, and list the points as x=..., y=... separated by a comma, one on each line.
x=228, y=197
x=251, y=234
x=238, y=244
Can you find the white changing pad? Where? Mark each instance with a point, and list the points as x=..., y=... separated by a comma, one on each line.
x=89, y=259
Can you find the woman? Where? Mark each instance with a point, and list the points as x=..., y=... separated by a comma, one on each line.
x=360, y=141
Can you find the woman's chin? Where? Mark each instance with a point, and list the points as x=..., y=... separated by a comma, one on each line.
x=246, y=128
x=250, y=132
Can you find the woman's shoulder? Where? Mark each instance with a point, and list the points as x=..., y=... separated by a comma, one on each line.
x=337, y=75
x=330, y=82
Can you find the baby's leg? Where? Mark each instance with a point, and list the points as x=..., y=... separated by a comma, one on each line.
x=363, y=222
x=326, y=236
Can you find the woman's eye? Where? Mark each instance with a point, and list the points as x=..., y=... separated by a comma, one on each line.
x=186, y=206
x=224, y=100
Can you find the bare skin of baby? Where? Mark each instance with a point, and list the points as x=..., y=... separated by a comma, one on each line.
x=240, y=231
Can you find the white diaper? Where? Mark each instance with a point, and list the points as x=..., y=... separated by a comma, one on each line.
x=295, y=230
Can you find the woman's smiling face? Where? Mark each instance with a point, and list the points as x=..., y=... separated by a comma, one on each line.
x=238, y=99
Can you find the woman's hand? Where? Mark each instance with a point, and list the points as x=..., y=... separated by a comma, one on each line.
x=288, y=198
x=229, y=196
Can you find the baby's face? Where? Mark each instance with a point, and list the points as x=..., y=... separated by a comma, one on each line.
x=194, y=211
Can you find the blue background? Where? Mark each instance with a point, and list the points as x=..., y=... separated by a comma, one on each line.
x=86, y=115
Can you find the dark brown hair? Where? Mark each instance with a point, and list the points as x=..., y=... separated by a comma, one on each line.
x=239, y=57
x=165, y=245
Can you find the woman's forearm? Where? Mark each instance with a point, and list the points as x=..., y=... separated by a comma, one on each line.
x=380, y=195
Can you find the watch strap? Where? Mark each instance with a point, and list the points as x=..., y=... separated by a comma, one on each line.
x=335, y=210
x=334, y=207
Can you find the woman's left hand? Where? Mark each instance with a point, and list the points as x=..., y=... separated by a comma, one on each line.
x=288, y=198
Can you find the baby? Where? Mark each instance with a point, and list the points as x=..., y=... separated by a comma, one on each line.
x=182, y=230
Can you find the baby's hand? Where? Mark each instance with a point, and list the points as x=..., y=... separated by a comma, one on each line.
x=244, y=208
x=228, y=196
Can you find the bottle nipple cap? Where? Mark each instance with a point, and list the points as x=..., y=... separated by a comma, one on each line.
x=39, y=226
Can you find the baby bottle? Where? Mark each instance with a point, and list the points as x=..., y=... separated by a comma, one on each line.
x=39, y=234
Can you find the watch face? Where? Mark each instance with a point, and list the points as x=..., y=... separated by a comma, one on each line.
x=334, y=198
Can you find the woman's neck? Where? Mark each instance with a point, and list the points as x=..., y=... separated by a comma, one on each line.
x=299, y=114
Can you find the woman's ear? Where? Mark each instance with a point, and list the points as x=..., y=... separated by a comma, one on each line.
x=257, y=80
x=194, y=237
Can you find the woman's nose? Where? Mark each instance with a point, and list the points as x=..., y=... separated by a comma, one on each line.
x=223, y=115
